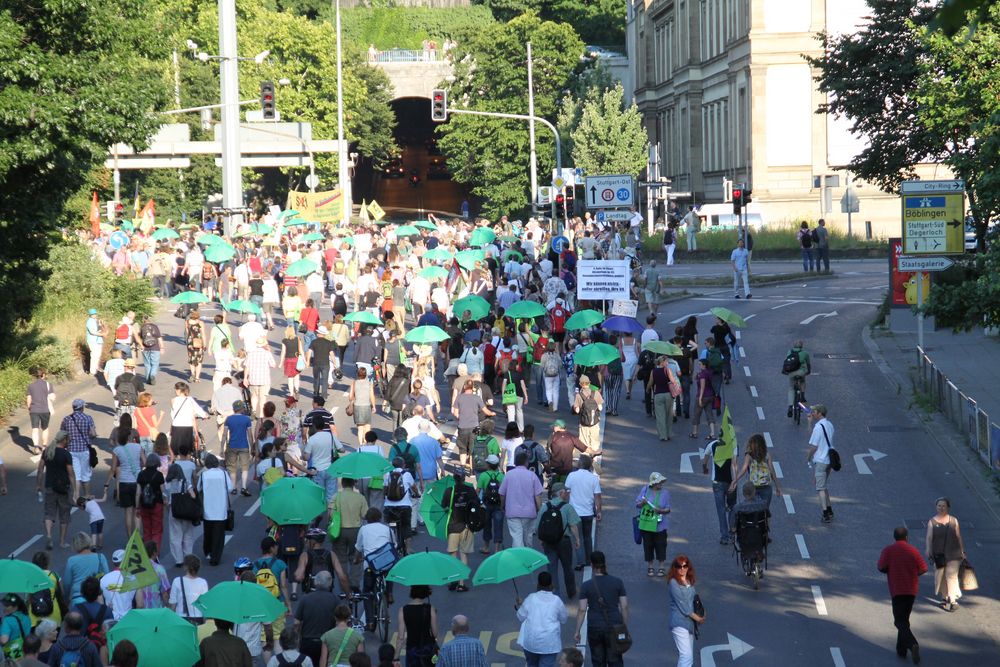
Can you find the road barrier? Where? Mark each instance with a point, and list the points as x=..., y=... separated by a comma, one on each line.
x=981, y=433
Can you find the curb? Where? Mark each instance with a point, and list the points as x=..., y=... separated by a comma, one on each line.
x=764, y=281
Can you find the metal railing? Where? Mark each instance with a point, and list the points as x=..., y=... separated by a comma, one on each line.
x=981, y=433
x=407, y=56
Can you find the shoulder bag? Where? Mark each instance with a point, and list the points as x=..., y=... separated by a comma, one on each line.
x=621, y=639
x=343, y=645
x=967, y=576
x=183, y=507
x=833, y=454
x=699, y=609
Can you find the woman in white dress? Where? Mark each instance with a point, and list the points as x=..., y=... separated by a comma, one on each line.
x=628, y=344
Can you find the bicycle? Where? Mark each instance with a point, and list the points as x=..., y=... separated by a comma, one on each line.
x=356, y=601
x=800, y=397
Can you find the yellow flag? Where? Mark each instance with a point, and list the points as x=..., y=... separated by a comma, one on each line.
x=727, y=434
x=376, y=210
x=137, y=569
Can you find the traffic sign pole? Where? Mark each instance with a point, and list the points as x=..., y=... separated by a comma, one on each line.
x=920, y=309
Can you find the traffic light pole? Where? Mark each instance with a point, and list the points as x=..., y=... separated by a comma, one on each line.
x=232, y=178
x=517, y=116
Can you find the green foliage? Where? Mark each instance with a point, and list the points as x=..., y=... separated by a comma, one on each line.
x=609, y=139
x=771, y=238
x=74, y=79
x=967, y=295
x=599, y=22
x=956, y=16
x=490, y=155
x=406, y=27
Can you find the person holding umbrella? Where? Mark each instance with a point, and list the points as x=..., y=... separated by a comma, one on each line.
x=461, y=541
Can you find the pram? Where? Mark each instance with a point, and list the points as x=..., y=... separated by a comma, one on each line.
x=750, y=545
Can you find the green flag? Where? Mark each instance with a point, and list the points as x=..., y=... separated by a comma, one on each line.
x=727, y=434
x=137, y=570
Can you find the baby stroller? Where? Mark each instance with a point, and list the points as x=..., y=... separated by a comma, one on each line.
x=750, y=545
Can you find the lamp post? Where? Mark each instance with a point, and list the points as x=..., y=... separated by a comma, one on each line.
x=342, y=172
x=232, y=181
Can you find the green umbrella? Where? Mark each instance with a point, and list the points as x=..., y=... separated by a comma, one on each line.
x=583, y=319
x=432, y=272
x=296, y=223
x=438, y=255
x=663, y=347
x=509, y=564
x=425, y=224
x=435, y=516
x=261, y=228
x=482, y=236
x=362, y=317
x=349, y=240
x=525, y=309
x=20, y=576
x=512, y=253
x=240, y=602
x=162, y=637
x=426, y=334
x=360, y=465
x=596, y=354
x=508, y=239
x=220, y=252
x=314, y=236
x=467, y=258
x=407, y=230
x=303, y=267
x=187, y=226
x=210, y=239
x=189, y=297
x=288, y=213
x=293, y=501
x=729, y=317
x=243, y=306
x=477, y=305
x=165, y=233
x=430, y=568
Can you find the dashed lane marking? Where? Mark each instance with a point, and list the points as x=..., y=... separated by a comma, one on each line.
x=746, y=369
x=24, y=547
x=753, y=391
x=777, y=470
x=790, y=303
x=743, y=352
x=253, y=508
x=760, y=413
x=767, y=439
x=818, y=598
x=750, y=317
x=789, y=507
x=803, y=549
x=838, y=659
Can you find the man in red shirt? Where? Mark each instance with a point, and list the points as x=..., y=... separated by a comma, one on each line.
x=903, y=564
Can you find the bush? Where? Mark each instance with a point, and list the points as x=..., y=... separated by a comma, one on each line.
x=770, y=239
x=14, y=382
x=407, y=27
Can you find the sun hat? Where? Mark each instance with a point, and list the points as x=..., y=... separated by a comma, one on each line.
x=656, y=478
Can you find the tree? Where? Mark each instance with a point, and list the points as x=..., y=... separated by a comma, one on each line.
x=74, y=79
x=491, y=155
x=599, y=22
x=609, y=139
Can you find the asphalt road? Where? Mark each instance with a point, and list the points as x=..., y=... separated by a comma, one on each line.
x=430, y=195
x=821, y=602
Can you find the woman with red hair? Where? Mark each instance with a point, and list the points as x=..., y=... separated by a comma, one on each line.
x=683, y=616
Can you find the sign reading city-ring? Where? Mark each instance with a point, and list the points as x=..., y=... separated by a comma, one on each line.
x=609, y=191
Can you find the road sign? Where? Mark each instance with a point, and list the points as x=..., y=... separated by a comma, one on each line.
x=609, y=191
x=560, y=243
x=924, y=263
x=923, y=187
x=933, y=217
x=544, y=195
x=850, y=203
x=611, y=216
x=566, y=178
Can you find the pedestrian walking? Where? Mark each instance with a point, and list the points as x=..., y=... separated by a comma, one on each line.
x=664, y=386
x=902, y=564
x=757, y=462
x=361, y=403
x=692, y=224
x=719, y=462
x=458, y=500
x=464, y=650
x=40, y=400
x=604, y=597
x=542, y=615
x=238, y=448
x=558, y=529
x=181, y=530
x=585, y=495
x=418, y=628
x=194, y=336
x=184, y=410
x=615, y=378
x=187, y=588
x=96, y=330
x=684, y=603
x=822, y=235
x=149, y=483
x=946, y=550
x=214, y=486
x=82, y=432
x=258, y=367
x=521, y=498
x=292, y=352
x=320, y=353
x=653, y=506
x=127, y=461
x=82, y=564
x=820, y=444
x=151, y=341
x=513, y=391
x=588, y=404
x=488, y=484
x=670, y=241
x=740, y=260
x=704, y=400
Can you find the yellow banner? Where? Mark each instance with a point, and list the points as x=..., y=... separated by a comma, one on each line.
x=316, y=206
x=376, y=210
x=137, y=570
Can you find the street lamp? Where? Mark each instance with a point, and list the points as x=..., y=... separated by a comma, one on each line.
x=342, y=170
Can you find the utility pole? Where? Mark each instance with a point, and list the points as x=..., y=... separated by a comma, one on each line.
x=531, y=135
x=177, y=103
x=342, y=172
x=232, y=178
x=652, y=174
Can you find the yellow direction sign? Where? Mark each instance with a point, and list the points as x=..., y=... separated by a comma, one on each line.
x=376, y=210
x=933, y=217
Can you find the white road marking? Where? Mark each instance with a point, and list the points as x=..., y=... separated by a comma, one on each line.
x=746, y=369
x=859, y=460
x=587, y=574
x=801, y=542
x=767, y=439
x=753, y=391
x=684, y=318
x=778, y=298
x=750, y=317
x=818, y=598
x=735, y=646
x=34, y=469
x=743, y=352
x=777, y=470
x=738, y=334
x=24, y=547
x=783, y=305
x=228, y=537
x=838, y=659
x=789, y=507
x=253, y=508
x=686, y=465
x=811, y=318
x=760, y=413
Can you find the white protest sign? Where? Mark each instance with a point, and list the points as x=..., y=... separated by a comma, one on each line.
x=625, y=308
x=598, y=279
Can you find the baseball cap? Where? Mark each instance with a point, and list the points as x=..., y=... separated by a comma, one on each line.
x=493, y=459
x=118, y=556
x=79, y=403
x=559, y=423
x=92, y=311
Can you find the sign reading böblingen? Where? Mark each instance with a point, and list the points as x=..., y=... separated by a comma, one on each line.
x=933, y=217
x=609, y=191
x=603, y=279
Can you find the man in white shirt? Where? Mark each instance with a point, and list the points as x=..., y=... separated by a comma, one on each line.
x=319, y=452
x=397, y=505
x=820, y=444
x=195, y=261
x=740, y=259
x=649, y=333
x=585, y=496
x=119, y=602
x=541, y=614
x=241, y=274
x=250, y=332
x=635, y=224
x=412, y=425
x=371, y=537
x=692, y=224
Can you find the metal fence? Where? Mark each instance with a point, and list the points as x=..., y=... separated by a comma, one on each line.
x=980, y=432
x=406, y=56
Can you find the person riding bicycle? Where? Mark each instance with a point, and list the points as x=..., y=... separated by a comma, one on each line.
x=373, y=540
x=316, y=558
x=797, y=366
x=400, y=491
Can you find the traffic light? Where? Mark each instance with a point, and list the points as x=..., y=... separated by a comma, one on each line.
x=267, y=100
x=439, y=105
x=570, y=203
x=560, y=205
x=737, y=201
x=747, y=192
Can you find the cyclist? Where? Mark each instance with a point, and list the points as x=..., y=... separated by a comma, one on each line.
x=372, y=539
x=317, y=558
x=400, y=491
x=796, y=366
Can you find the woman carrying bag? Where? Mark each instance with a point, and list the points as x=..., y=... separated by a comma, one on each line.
x=947, y=551
x=653, y=503
x=686, y=611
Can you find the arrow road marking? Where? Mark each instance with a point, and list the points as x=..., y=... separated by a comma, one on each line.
x=859, y=461
x=818, y=599
x=736, y=647
x=803, y=549
x=810, y=319
x=838, y=659
x=686, y=466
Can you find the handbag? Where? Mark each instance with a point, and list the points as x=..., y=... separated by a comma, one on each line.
x=621, y=639
x=333, y=529
x=300, y=363
x=967, y=579
x=94, y=459
x=833, y=454
x=636, y=533
x=673, y=384
x=183, y=507
x=509, y=392
x=303, y=328
x=699, y=609
x=349, y=410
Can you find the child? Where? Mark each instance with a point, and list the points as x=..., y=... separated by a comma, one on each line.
x=95, y=515
x=271, y=457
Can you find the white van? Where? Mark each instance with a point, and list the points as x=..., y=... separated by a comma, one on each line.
x=721, y=216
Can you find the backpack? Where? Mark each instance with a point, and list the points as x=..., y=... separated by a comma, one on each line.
x=489, y=354
x=530, y=447
x=147, y=498
x=41, y=603
x=647, y=361
x=558, y=319
x=481, y=450
x=491, y=492
x=807, y=239
x=71, y=657
x=339, y=303
x=792, y=362
x=148, y=335
x=285, y=662
x=123, y=332
x=539, y=348
x=386, y=289
x=714, y=359
x=814, y=236
x=125, y=391
x=590, y=412
x=405, y=452
x=93, y=628
x=395, y=491
x=267, y=578
x=273, y=474
x=550, y=365
x=475, y=515
x=550, y=526
x=289, y=542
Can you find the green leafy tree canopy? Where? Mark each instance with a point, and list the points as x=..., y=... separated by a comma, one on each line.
x=609, y=139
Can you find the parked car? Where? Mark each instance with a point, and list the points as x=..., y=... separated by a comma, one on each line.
x=394, y=168
x=438, y=169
